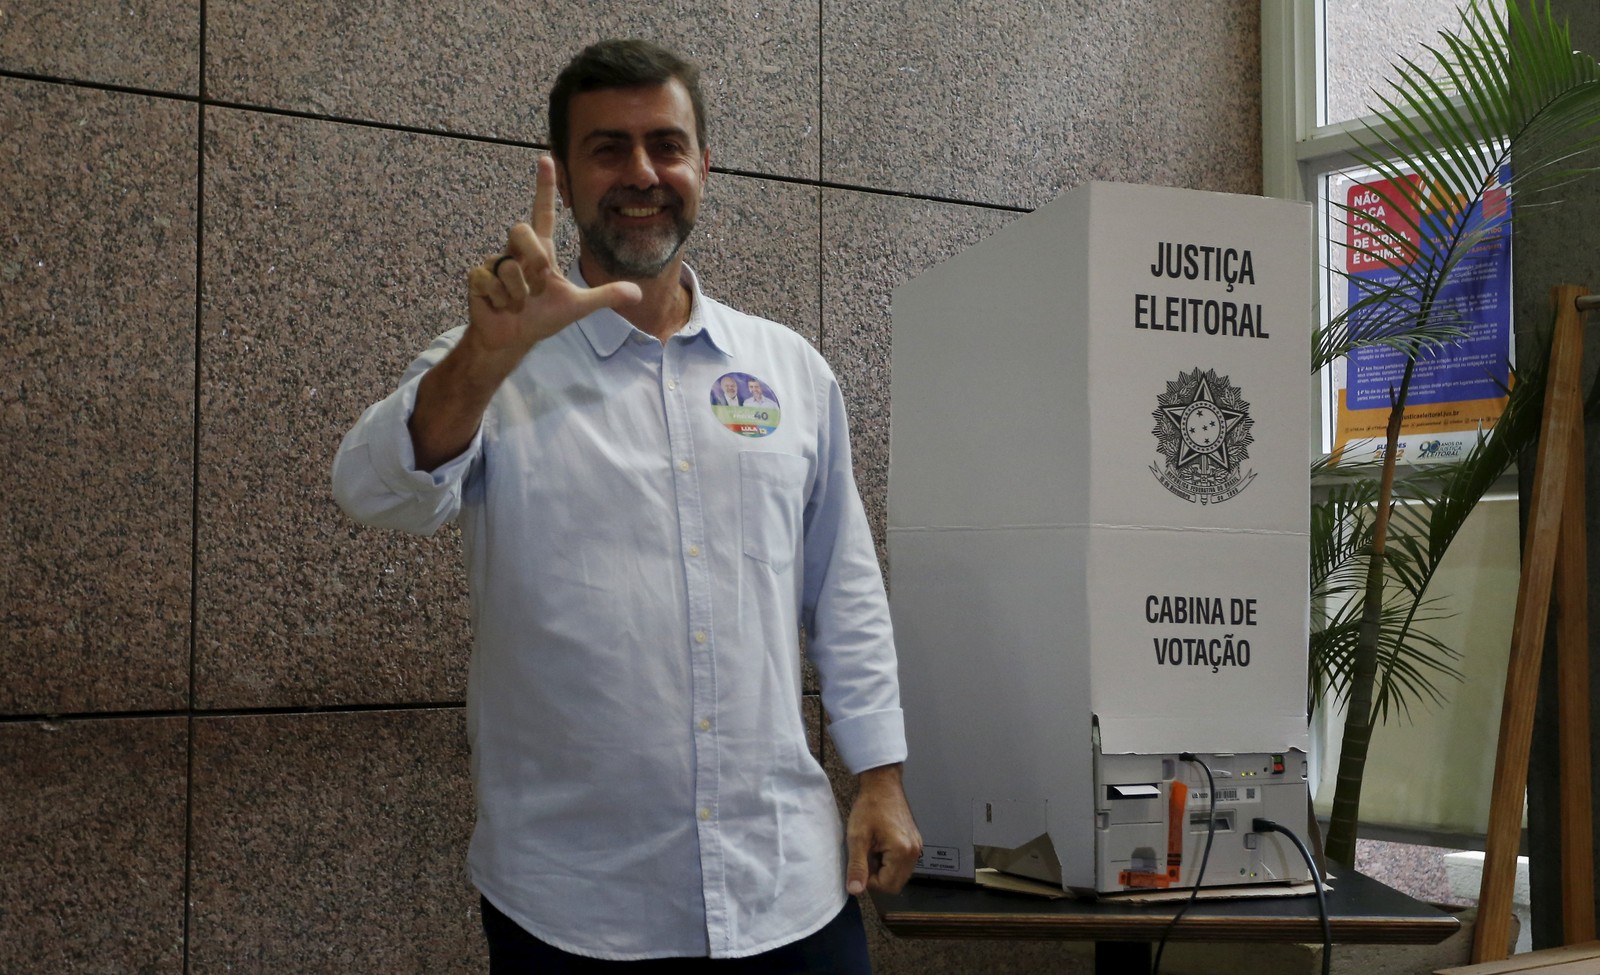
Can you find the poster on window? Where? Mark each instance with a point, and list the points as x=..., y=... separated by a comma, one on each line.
x=1455, y=392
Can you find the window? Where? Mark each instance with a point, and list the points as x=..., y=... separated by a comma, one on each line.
x=1321, y=61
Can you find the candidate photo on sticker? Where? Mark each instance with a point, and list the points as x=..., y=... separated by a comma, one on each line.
x=759, y=395
x=725, y=391
x=745, y=404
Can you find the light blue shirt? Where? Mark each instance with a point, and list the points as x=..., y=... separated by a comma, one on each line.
x=641, y=564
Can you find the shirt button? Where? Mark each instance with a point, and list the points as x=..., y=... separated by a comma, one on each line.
x=683, y=465
x=671, y=384
x=699, y=636
x=705, y=814
x=694, y=551
x=705, y=724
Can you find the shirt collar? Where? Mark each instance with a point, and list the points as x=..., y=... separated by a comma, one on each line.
x=607, y=331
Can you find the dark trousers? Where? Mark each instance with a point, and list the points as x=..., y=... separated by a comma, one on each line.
x=839, y=948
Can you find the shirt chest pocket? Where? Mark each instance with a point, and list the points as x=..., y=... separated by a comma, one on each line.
x=772, y=488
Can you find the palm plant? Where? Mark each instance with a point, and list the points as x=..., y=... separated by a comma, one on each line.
x=1503, y=86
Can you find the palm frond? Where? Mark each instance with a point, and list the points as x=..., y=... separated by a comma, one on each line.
x=1413, y=661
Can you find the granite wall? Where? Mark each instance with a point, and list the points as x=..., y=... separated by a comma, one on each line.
x=231, y=734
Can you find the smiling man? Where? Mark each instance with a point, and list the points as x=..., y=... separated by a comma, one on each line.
x=640, y=571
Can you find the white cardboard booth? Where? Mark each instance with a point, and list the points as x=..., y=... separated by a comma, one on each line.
x=1098, y=548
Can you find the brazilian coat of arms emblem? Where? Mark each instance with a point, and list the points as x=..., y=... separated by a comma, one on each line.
x=1203, y=434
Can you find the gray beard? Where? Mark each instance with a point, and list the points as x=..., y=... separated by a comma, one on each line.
x=634, y=254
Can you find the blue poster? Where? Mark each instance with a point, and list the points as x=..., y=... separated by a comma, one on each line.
x=1458, y=389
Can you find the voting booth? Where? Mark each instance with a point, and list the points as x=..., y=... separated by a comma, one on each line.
x=1098, y=540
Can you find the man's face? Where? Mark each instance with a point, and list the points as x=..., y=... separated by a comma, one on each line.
x=755, y=388
x=730, y=388
x=633, y=177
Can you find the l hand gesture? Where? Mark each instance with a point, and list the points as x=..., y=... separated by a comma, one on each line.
x=515, y=301
x=519, y=298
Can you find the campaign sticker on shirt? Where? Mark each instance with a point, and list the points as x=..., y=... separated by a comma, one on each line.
x=744, y=404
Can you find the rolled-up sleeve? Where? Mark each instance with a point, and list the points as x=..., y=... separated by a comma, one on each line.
x=375, y=476
x=845, y=609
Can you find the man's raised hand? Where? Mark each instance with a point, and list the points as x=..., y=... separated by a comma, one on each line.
x=519, y=298
x=515, y=300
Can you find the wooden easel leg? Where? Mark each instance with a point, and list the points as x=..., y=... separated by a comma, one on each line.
x=1562, y=415
x=1572, y=667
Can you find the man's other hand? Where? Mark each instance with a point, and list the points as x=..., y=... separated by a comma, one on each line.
x=883, y=840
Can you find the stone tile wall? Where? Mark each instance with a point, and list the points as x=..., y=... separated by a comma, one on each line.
x=231, y=735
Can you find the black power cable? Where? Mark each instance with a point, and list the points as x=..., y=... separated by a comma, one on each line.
x=1268, y=826
x=1211, y=832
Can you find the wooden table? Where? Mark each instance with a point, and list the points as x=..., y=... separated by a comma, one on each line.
x=1360, y=911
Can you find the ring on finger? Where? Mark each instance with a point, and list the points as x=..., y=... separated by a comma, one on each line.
x=495, y=270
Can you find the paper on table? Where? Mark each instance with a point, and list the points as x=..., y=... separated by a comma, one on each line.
x=1242, y=892
x=995, y=880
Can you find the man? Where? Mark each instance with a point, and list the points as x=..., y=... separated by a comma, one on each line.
x=727, y=394
x=640, y=572
x=758, y=395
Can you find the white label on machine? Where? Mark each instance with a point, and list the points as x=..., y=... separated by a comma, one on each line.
x=946, y=859
x=1241, y=793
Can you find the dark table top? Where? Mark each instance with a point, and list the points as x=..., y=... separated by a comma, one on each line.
x=1361, y=911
